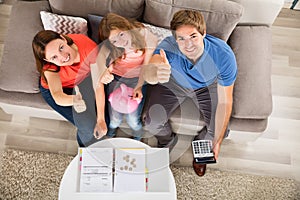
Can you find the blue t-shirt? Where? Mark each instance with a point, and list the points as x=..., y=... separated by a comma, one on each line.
x=217, y=63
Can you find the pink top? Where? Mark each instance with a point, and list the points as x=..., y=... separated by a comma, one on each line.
x=130, y=66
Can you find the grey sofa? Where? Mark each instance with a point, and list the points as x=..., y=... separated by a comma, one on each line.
x=245, y=25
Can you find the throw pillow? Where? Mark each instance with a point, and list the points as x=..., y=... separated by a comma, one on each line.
x=93, y=24
x=63, y=24
x=159, y=32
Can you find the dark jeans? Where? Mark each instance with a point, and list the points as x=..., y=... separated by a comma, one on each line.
x=85, y=121
x=164, y=99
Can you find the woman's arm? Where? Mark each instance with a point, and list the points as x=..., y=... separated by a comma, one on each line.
x=56, y=90
x=100, y=128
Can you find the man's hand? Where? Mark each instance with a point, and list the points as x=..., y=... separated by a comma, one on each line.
x=78, y=102
x=216, y=149
x=107, y=75
x=158, y=71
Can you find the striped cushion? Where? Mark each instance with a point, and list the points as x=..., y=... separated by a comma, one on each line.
x=63, y=24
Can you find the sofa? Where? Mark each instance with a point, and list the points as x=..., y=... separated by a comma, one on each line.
x=244, y=24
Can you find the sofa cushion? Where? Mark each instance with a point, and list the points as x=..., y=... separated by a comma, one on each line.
x=252, y=91
x=18, y=70
x=63, y=24
x=81, y=8
x=221, y=15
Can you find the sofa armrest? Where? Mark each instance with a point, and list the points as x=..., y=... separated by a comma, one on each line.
x=252, y=47
x=259, y=11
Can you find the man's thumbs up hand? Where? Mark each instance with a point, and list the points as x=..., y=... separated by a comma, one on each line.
x=158, y=70
x=163, y=69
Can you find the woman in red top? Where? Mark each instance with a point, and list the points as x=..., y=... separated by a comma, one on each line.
x=63, y=62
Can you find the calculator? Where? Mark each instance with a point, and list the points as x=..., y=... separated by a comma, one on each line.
x=202, y=150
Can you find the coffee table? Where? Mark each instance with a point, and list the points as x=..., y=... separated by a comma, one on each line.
x=161, y=184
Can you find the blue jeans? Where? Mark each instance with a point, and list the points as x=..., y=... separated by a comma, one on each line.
x=133, y=119
x=85, y=121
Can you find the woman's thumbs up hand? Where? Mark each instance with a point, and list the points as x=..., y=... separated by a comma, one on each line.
x=78, y=102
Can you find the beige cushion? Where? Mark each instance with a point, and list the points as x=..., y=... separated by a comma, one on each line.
x=18, y=69
x=252, y=90
x=221, y=15
x=81, y=8
x=63, y=24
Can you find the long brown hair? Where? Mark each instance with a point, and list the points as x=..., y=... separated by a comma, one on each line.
x=113, y=21
x=39, y=42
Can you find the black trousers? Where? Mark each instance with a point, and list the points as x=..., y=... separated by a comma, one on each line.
x=165, y=98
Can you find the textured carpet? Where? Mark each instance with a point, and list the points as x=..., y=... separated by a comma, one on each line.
x=37, y=175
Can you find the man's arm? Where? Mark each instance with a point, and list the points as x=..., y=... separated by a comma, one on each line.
x=223, y=113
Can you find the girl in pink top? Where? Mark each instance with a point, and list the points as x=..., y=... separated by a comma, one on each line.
x=124, y=50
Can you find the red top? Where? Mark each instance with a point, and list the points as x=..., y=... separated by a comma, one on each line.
x=76, y=73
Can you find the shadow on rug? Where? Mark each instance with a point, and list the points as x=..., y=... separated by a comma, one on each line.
x=37, y=175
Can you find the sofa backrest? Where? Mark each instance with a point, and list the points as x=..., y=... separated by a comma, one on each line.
x=221, y=15
x=81, y=8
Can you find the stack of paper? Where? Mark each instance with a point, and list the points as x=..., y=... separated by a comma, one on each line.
x=96, y=167
x=130, y=166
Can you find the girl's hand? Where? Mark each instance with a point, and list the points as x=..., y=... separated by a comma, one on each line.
x=107, y=75
x=100, y=129
x=78, y=102
x=137, y=94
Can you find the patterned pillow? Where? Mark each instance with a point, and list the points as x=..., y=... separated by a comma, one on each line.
x=63, y=24
x=160, y=33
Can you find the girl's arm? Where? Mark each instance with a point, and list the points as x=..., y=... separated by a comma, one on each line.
x=102, y=73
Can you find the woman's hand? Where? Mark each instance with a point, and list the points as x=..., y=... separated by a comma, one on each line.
x=78, y=102
x=107, y=75
x=100, y=129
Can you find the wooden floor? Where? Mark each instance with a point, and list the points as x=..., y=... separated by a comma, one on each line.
x=274, y=152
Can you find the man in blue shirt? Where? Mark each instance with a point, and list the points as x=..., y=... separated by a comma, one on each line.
x=190, y=64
